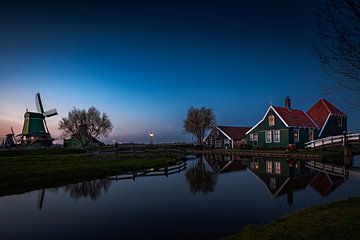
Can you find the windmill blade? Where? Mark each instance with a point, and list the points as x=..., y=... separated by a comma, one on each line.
x=50, y=113
x=12, y=131
x=38, y=102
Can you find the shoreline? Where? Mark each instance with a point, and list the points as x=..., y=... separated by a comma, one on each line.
x=336, y=220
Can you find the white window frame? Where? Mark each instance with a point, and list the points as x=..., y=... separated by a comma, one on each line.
x=339, y=122
x=268, y=133
x=312, y=135
x=269, y=166
x=275, y=139
x=251, y=137
x=256, y=137
x=272, y=122
x=278, y=167
x=298, y=135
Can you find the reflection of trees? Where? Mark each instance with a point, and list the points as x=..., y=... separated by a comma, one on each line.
x=200, y=179
x=93, y=189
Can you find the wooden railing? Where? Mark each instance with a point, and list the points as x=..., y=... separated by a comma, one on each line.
x=165, y=171
x=341, y=140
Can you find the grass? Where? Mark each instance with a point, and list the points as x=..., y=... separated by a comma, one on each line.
x=339, y=220
x=34, y=171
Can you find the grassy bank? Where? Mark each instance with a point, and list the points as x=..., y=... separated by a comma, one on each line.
x=33, y=171
x=339, y=220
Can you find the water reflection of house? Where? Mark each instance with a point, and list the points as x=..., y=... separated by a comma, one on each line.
x=281, y=177
x=325, y=183
x=225, y=163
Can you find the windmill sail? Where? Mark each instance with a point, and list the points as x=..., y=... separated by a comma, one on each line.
x=50, y=113
x=38, y=102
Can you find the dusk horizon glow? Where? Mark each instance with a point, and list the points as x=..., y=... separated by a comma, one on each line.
x=146, y=64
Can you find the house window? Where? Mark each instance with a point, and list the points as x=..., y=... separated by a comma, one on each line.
x=277, y=167
x=251, y=137
x=268, y=138
x=269, y=166
x=339, y=122
x=276, y=136
x=271, y=119
x=311, y=134
x=255, y=137
x=296, y=135
x=273, y=183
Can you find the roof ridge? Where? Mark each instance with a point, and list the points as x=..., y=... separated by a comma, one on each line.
x=327, y=107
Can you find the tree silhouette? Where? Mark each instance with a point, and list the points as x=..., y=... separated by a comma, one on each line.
x=338, y=48
x=92, y=189
x=200, y=179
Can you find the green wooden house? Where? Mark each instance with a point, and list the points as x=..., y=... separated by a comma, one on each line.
x=281, y=127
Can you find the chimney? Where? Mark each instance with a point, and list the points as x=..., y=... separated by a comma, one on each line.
x=287, y=103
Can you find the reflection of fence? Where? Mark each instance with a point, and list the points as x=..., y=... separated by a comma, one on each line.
x=164, y=171
x=336, y=170
x=334, y=141
x=333, y=169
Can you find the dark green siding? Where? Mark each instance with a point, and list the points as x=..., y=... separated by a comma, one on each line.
x=263, y=126
x=33, y=124
x=286, y=133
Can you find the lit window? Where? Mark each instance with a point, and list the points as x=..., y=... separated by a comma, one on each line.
x=255, y=137
x=277, y=167
x=296, y=135
x=339, y=122
x=269, y=166
x=268, y=137
x=276, y=136
x=311, y=135
x=271, y=120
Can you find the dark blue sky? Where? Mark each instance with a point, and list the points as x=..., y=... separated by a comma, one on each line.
x=146, y=62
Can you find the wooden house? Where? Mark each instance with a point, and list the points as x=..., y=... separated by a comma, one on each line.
x=226, y=137
x=330, y=119
x=282, y=126
x=82, y=139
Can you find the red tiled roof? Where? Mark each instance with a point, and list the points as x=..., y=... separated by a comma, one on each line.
x=235, y=133
x=321, y=110
x=325, y=184
x=295, y=117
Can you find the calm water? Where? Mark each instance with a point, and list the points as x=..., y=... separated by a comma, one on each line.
x=209, y=198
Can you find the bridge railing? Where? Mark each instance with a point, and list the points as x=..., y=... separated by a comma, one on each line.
x=333, y=140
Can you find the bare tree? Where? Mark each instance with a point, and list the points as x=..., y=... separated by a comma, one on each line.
x=84, y=124
x=338, y=48
x=198, y=121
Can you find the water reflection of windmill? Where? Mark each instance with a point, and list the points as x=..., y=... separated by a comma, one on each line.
x=35, y=129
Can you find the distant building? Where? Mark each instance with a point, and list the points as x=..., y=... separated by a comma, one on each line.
x=282, y=126
x=227, y=137
x=83, y=140
x=88, y=142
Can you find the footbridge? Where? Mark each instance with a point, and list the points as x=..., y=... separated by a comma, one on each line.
x=335, y=141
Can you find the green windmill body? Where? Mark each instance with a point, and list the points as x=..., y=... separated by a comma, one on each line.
x=35, y=130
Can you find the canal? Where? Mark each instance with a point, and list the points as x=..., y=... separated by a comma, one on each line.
x=204, y=198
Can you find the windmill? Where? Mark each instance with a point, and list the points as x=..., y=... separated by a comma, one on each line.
x=35, y=130
x=10, y=139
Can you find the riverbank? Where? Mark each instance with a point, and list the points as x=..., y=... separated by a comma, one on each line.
x=306, y=154
x=41, y=169
x=339, y=220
